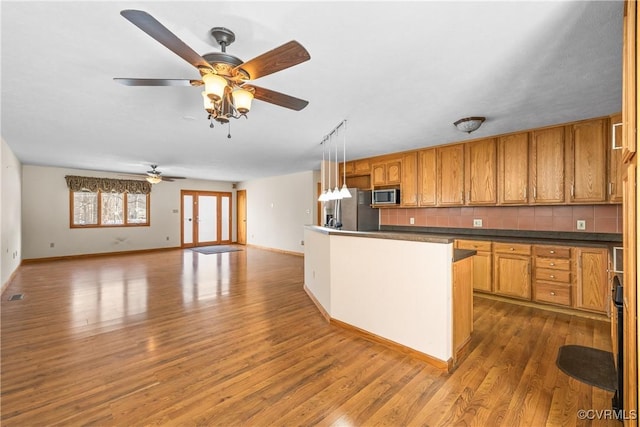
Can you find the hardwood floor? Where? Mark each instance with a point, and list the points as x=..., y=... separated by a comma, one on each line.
x=181, y=338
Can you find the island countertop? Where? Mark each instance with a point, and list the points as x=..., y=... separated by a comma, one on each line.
x=458, y=254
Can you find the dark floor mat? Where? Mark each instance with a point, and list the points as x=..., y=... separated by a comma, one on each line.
x=589, y=365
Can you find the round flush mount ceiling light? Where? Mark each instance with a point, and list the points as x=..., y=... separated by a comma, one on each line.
x=469, y=124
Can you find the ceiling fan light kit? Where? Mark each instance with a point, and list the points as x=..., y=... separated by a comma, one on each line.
x=226, y=93
x=469, y=124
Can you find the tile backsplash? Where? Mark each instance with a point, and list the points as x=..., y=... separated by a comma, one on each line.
x=598, y=218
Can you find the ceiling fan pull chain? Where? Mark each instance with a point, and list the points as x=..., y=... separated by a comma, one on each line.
x=229, y=131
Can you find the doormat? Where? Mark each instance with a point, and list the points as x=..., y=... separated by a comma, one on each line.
x=589, y=365
x=208, y=250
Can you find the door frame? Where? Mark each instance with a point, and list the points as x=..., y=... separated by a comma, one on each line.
x=195, y=194
x=241, y=217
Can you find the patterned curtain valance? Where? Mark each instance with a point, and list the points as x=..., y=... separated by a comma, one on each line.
x=89, y=183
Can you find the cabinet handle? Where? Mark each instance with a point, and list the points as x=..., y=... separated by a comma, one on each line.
x=511, y=249
x=552, y=264
x=552, y=276
x=553, y=294
x=525, y=194
x=552, y=252
x=534, y=193
x=572, y=190
x=610, y=188
x=462, y=196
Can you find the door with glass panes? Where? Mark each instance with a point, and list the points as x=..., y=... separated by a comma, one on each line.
x=206, y=218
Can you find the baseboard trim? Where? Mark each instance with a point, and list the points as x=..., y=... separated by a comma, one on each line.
x=319, y=306
x=282, y=251
x=96, y=255
x=6, y=284
x=440, y=364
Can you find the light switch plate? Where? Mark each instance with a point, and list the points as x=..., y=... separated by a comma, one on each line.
x=581, y=224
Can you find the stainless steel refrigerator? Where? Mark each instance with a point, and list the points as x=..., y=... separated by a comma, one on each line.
x=356, y=213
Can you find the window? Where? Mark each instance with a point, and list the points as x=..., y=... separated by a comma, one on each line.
x=102, y=209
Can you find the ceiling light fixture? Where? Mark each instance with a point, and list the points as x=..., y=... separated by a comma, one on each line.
x=336, y=193
x=469, y=124
x=154, y=179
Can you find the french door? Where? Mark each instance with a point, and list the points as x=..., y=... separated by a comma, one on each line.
x=206, y=218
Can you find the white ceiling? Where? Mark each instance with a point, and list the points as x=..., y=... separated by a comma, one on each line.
x=400, y=73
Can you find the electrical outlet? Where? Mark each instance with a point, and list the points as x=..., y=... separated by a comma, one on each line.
x=301, y=242
x=477, y=222
x=581, y=224
x=52, y=245
x=412, y=221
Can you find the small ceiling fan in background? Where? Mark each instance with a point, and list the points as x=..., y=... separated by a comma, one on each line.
x=226, y=91
x=154, y=176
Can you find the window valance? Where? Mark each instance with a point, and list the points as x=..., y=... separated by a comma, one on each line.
x=108, y=185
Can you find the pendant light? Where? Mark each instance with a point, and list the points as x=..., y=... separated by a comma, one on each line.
x=323, y=195
x=336, y=191
x=344, y=191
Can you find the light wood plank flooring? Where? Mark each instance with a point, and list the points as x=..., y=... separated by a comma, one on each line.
x=181, y=338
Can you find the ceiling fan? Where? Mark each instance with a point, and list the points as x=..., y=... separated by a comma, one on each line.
x=154, y=176
x=226, y=94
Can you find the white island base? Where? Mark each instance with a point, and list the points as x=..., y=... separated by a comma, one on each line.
x=393, y=288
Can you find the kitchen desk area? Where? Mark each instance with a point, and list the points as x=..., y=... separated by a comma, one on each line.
x=409, y=290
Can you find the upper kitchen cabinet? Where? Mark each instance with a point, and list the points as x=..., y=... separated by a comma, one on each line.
x=587, y=166
x=427, y=177
x=547, y=163
x=513, y=169
x=409, y=181
x=615, y=159
x=450, y=182
x=481, y=171
x=386, y=173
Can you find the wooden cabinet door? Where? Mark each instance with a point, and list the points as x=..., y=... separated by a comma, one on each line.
x=450, y=182
x=480, y=176
x=482, y=263
x=513, y=169
x=361, y=167
x=547, y=163
x=378, y=174
x=512, y=275
x=462, y=303
x=393, y=172
x=591, y=279
x=588, y=162
x=427, y=177
x=615, y=159
x=409, y=184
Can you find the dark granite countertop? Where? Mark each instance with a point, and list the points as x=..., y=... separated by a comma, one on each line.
x=460, y=254
x=524, y=236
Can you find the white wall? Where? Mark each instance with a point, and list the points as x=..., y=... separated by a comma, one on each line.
x=278, y=208
x=10, y=201
x=45, y=216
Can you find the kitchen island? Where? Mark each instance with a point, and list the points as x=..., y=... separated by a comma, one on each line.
x=407, y=290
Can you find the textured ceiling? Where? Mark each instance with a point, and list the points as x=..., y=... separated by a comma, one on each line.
x=400, y=72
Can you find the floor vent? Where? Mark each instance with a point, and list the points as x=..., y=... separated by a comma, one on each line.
x=16, y=297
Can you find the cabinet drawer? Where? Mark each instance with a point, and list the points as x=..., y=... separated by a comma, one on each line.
x=512, y=248
x=474, y=245
x=552, y=251
x=562, y=276
x=556, y=294
x=553, y=263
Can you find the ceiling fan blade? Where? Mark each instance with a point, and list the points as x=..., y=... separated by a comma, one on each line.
x=280, y=58
x=160, y=33
x=277, y=98
x=158, y=82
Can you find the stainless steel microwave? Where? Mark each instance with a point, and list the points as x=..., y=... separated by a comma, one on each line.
x=389, y=196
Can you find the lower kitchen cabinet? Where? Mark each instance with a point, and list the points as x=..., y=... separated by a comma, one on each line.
x=482, y=263
x=552, y=274
x=592, y=288
x=512, y=270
